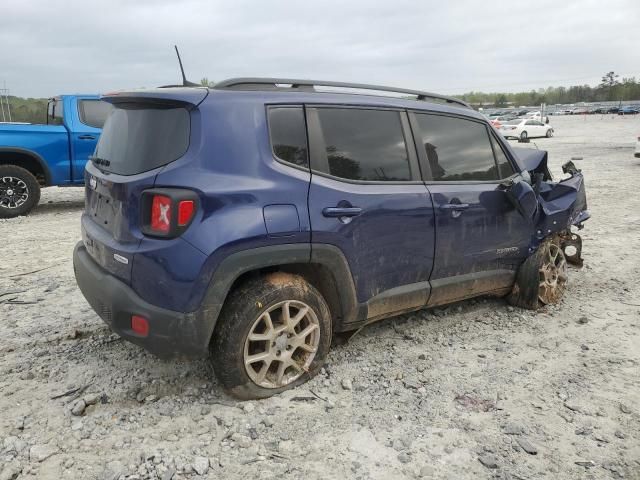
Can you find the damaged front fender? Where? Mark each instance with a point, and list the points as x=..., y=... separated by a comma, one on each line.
x=560, y=205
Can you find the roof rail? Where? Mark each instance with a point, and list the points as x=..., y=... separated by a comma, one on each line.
x=308, y=85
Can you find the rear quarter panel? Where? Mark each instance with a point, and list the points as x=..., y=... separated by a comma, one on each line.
x=230, y=165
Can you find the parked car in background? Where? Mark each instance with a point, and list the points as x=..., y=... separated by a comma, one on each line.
x=35, y=156
x=248, y=222
x=613, y=109
x=580, y=111
x=537, y=115
x=628, y=110
x=525, y=128
x=497, y=121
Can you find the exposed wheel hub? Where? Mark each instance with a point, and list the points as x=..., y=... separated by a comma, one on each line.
x=13, y=192
x=552, y=275
x=281, y=344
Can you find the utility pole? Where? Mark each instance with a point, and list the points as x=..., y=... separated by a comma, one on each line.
x=5, y=106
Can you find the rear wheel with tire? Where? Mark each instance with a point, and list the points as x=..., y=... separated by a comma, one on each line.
x=19, y=191
x=549, y=133
x=273, y=334
x=524, y=136
x=542, y=278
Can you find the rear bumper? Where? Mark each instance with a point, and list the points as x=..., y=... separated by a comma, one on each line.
x=170, y=333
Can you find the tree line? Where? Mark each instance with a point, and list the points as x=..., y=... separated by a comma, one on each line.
x=611, y=88
x=32, y=110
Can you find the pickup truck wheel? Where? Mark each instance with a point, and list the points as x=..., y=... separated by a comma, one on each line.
x=542, y=278
x=273, y=334
x=19, y=191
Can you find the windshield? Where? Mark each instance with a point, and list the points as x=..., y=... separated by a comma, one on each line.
x=140, y=137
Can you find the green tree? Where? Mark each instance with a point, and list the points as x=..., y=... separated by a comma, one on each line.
x=501, y=100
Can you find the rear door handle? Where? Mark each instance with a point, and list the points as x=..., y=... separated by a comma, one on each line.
x=338, y=212
x=454, y=206
x=86, y=137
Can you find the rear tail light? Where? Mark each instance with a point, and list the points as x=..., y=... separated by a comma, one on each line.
x=186, y=209
x=140, y=325
x=167, y=212
x=161, y=214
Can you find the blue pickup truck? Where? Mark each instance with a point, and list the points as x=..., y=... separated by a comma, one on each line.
x=51, y=154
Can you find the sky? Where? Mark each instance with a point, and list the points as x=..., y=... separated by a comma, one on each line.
x=449, y=47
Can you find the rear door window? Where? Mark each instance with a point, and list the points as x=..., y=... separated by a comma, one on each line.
x=456, y=149
x=140, y=137
x=364, y=145
x=288, y=135
x=94, y=112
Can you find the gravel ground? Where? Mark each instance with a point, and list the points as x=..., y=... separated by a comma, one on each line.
x=476, y=390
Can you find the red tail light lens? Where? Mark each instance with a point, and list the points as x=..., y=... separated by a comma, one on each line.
x=140, y=325
x=167, y=212
x=186, y=209
x=161, y=214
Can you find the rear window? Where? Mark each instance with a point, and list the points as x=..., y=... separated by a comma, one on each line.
x=513, y=122
x=137, y=138
x=289, y=135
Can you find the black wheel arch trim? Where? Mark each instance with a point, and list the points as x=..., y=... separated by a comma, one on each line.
x=245, y=261
x=35, y=156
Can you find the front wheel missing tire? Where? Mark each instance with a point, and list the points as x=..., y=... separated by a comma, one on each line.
x=542, y=278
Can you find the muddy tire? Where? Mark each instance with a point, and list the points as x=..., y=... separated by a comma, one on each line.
x=19, y=191
x=273, y=334
x=541, y=279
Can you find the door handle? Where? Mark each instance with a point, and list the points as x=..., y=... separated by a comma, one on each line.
x=454, y=206
x=338, y=212
x=86, y=137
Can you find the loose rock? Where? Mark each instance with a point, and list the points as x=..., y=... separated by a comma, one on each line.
x=527, y=446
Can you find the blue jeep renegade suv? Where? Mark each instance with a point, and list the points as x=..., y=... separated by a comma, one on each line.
x=251, y=221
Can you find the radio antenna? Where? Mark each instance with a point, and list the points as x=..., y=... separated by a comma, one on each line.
x=185, y=82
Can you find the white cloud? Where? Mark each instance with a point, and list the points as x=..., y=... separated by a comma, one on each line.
x=449, y=47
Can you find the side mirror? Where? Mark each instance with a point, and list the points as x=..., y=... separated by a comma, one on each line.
x=523, y=197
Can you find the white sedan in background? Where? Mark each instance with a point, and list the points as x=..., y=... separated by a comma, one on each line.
x=524, y=128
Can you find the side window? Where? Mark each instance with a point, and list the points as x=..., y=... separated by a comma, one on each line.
x=457, y=149
x=55, y=113
x=364, y=145
x=505, y=169
x=289, y=135
x=94, y=112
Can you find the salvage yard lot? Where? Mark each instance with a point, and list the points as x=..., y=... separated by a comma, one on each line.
x=476, y=390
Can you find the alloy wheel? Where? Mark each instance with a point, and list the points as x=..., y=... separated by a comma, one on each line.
x=13, y=192
x=552, y=275
x=281, y=344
